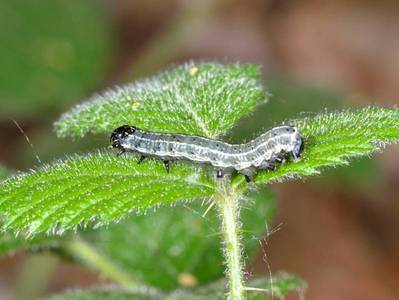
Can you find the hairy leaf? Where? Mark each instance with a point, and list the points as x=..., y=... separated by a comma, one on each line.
x=97, y=189
x=281, y=285
x=289, y=99
x=331, y=139
x=9, y=243
x=204, y=99
x=180, y=237
x=186, y=245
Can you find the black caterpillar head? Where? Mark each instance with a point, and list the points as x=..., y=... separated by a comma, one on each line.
x=120, y=133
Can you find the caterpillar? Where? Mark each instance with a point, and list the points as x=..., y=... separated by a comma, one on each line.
x=261, y=153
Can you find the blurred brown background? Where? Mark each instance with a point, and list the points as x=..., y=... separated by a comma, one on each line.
x=340, y=234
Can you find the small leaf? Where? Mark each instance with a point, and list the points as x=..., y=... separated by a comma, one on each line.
x=204, y=99
x=97, y=188
x=331, y=139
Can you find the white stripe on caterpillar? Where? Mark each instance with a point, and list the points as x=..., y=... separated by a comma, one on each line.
x=261, y=153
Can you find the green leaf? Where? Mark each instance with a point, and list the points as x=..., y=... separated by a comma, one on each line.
x=94, y=189
x=290, y=98
x=186, y=244
x=9, y=243
x=282, y=285
x=204, y=99
x=62, y=55
x=331, y=139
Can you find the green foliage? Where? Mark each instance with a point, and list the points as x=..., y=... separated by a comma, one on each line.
x=204, y=99
x=333, y=138
x=282, y=285
x=183, y=241
x=10, y=243
x=52, y=52
x=290, y=99
x=97, y=189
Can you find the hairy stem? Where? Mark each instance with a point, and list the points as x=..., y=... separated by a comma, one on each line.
x=90, y=256
x=228, y=202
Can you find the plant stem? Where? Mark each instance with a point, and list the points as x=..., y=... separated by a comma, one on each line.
x=228, y=202
x=90, y=256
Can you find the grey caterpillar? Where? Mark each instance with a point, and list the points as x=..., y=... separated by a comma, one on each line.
x=261, y=153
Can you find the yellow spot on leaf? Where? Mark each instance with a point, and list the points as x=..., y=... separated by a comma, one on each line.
x=187, y=280
x=193, y=71
x=136, y=104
